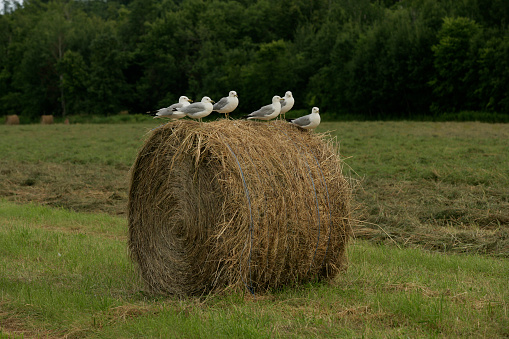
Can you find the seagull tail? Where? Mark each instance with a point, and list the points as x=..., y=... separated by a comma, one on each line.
x=289, y=120
x=245, y=117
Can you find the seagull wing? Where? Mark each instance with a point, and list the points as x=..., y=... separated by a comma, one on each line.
x=302, y=121
x=220, y=104
x=193, y=108
x=175, y=106
x=264, y=111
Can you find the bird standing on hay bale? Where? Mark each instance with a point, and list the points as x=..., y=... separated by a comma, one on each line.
x=227, y=104
x=198, y=110
x=168, y=112
x=287, y=103
x=267, y=112
x=310, y=121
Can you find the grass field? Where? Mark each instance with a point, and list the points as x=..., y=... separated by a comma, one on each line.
x=430, y=258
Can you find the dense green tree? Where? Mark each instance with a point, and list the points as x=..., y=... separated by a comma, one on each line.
x=106, y=81
x=390, y=67
x=455, y=62
x=36, y=75
x=494, y=75
x=270, y=72
x=74, y=81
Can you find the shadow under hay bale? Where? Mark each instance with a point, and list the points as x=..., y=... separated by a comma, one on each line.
x=12, y=120
x=236, y=204
x=46, y=119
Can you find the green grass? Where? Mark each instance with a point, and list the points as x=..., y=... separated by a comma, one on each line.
x=430, y=257
x=102, y=144
x=67, y=273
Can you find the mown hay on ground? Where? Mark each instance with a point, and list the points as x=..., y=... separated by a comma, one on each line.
x=236, y=205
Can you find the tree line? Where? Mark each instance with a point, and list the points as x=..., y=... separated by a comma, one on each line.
x=372, y=59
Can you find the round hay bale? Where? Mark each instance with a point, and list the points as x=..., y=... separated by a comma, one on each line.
x=236, y=204
x=12, y=120
x=46, y=119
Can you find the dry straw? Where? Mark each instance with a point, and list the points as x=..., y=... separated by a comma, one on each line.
x=236, y=205
x=46, y=119
x=12, y=120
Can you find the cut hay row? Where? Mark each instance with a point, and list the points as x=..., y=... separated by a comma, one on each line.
x=236, y=205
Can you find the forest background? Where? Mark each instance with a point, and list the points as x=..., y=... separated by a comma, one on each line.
x=409, y=59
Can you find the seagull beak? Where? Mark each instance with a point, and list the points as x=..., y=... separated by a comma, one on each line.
x=212, y=101
x=189, y=100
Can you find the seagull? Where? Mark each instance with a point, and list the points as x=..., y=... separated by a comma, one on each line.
x=309, y=121
x=198, y=110
x=287, y=103
x=168, y=112
x=267, y=112
x=227, y=104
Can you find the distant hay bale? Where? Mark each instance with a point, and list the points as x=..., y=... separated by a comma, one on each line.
x=12, y=120
x=236, y=204
x=46, y=119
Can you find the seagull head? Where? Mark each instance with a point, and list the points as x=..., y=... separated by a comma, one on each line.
x=183, y=99
x=288, y=94
x=207, y=99
x=315, y=110
x=233, y=94
x=276, y=98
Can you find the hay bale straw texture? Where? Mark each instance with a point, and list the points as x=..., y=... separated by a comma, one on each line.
x=236, y=205
x=46, y=119
x=12, y=120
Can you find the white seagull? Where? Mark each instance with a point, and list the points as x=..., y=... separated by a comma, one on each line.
x=198, y=110
x=168, y=112
x=287, y=103
x=227, y=104
x=309, y=121
x=267, y=112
